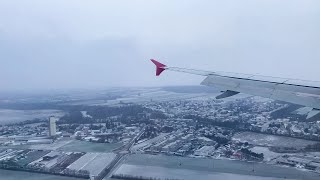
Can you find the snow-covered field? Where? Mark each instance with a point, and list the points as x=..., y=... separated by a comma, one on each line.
x=143, y=95
x=157, y=96
x=268, y=155
x=203, y=166
x=138, y=96
x=170, y=173
x=8, y=116
x=54, y=146
x=271, y=140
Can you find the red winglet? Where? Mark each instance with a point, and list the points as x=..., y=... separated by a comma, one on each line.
x=160, y=67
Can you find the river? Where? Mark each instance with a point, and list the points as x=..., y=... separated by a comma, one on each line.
x=207, y=166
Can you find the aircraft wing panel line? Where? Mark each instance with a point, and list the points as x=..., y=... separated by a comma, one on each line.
x=302, y=92
x=281, y=84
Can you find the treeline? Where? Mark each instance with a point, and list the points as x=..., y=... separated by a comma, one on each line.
x=249, y=154
x=36, y=120
x=74, y=117
x=150, y=132
x=29, y=106
x=218, y=139
x=61, y=105
x=100, y=114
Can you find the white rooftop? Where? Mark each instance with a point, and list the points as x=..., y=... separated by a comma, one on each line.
x=95, y=163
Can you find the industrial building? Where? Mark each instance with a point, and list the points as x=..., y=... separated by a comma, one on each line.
x=92, y=163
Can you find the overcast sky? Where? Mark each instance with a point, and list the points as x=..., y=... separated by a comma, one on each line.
x=60, y=44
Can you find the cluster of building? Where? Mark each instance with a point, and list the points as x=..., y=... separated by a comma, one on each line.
x=38, y=133
x=74, y=164
x=48, y=129
x=207, y=141
x=174, y=135
x=310, y=163
x=253, y=113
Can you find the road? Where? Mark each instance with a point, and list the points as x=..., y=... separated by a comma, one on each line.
x=122, y=152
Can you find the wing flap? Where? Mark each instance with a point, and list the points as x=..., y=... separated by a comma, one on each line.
x=277, y=91
x=313, y=113
x=226, y=94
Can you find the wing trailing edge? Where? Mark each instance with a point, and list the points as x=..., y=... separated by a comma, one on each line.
x=301, y=92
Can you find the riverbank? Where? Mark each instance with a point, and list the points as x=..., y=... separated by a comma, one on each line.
x=17, y=175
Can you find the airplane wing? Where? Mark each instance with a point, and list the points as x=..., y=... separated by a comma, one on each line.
x=301, y=92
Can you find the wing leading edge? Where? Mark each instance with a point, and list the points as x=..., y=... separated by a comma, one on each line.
x=301, y=92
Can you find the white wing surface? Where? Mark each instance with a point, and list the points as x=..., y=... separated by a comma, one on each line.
x=301, y=92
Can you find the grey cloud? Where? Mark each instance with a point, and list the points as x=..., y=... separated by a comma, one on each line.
x=75, y=44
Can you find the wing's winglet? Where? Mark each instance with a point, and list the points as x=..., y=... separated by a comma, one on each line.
x=159, y=67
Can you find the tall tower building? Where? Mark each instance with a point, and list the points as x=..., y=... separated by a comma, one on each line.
x=52, y=126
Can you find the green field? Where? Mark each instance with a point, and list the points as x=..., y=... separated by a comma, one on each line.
x=83, y=146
